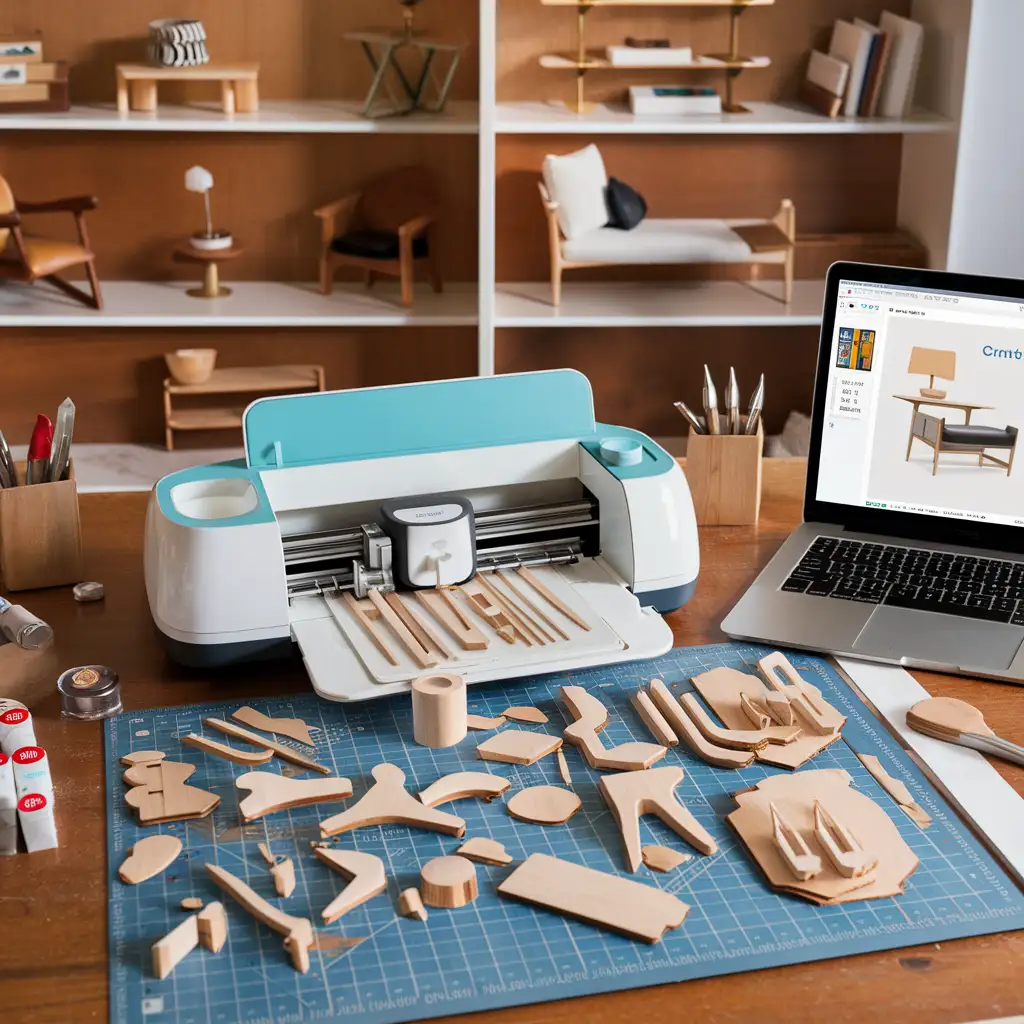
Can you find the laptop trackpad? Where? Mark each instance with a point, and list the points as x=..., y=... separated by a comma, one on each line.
x=945, y=639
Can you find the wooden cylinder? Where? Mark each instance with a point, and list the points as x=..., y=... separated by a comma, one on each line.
x=448, y=882
x=439, y=709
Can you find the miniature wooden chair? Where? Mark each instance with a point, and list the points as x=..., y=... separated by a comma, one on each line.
x=387, y=228
x=27, y=258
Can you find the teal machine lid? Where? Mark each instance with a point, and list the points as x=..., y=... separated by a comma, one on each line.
x=477, y=412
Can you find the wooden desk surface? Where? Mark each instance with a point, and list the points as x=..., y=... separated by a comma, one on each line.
x=53, y=905
x=945, y=403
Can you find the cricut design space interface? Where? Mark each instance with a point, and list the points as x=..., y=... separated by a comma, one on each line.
x=907, y=368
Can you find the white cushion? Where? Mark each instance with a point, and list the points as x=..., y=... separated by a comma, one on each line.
x=577, y=182
x=666, y=241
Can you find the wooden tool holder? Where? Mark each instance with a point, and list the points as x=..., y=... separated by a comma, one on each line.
x=724, y=474
x=40, y=534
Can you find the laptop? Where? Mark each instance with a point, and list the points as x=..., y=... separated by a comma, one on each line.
x=911, y=551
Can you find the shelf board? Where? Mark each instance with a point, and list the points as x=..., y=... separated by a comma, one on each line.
x=325, y=117
x=763, y=119
x=662, y=304
x=593, y=62
x=251, y=304
x=237, y=380
x=206, y=419
x=657, y=3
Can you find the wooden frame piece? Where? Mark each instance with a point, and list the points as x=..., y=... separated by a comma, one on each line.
x=590, y=717
x=929, y=429
x=159, y=792
x=208, y=746
x=269, y=792
x=461, y=785
x=528, y=626
x=653, y=718
x=535, y=611
x=169, y=951
x=366, y=615
x=425, y=634
x=419, y=652
x=148, y=857
x=841, y=847
x=494, y=615
x=691, y=736
x=442, y=608
x=291, y=728
x=742, y=739
x=793, y=848
x=805, y=698
x=365, y=874
x=283, y=752
x=552, y=599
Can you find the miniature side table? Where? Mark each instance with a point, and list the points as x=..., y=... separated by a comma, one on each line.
x=211, y=287
x=136, y=85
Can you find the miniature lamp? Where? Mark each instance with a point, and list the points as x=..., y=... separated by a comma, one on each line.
x=935, y=362
x=199, y=179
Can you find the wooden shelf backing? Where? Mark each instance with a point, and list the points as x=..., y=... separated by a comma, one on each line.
x=594, y=62
x=241, y=379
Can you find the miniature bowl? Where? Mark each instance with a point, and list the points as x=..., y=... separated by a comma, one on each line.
x=191, y=365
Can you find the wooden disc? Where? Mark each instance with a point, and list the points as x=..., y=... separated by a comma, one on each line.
x=544, y=805
x=448, y=882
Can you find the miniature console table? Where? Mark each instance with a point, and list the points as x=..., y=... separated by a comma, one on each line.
x=243, y=380
x=211, y=287
x=136, y=85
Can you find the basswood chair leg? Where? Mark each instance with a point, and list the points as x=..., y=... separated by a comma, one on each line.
x=69, y=289
x=94, y=283
x=935, y=459
x=556, y=284
x=407, y=269
x=787, y=281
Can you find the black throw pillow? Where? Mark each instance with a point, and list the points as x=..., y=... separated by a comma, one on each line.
x=626, y=207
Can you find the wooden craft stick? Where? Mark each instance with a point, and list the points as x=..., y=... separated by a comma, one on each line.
x=365, y=874
x=208, y=746
x=283, y=752
x=563, y=766
x=424, y=657
x=148, y=857
x=793, y=847
x=175, y=946
x=552, y=599
x=291, y=728
x=526, y=629
x=461, y=785
x=360, y=609
x=425, y=636
x=691, y=736
x=213, y=927
x=445, y=593
x=841, y=847
x=507, y=580
x=283, y=873
x=739, y=739
x=269, y=792
x=439, y=605
x=653, y=718
x=297, y=931
x=494, y=616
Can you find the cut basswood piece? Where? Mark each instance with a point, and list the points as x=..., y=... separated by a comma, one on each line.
x=551, y=598
x=779, y=708
x=529, y=630
x=630, y=795
x=439, y=710
x=269, y=792
x=423, y=656
x=897, y=789
x=213, y=927
x=283, y=752
x=495, y=616
x=526, y=714
x=653, y=718
x=461, y=785
x=297, y=931
x=175, y=946
x=780, y=675
x=191, y=903
x=483, y=724
x=793, y=848
x=607, y=901
x=429, y=637
x=208, y=746
x=484, y=851
x=661, y=858
x=364, y=871
x=266, y=854
x=283, y=873
x=448, y=882
x=291, y=728
x=410, y=904
x=444, y=610
x=142, y=757
x=691, y=736
x=563, y=766
x=388, y=802
x=756, y=714
x=590, y=717
x=367, y=616
x=514, y=746
x=841, y=847
x=544, y=805
x=741, y=739
x=148, y=857
x=159, y=792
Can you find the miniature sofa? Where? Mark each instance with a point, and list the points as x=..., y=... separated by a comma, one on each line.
x=963, y=439
x=573, y=194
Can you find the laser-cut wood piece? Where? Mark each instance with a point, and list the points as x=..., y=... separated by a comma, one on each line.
x=630, y=795
x=841, y=846
x=483, y=724
x=442, y=608
x=653, y=718
x=779, y=708
x=213, y=927
x=175, y=946
x=429, y=637
x=526, y=714
x=756, y=713
x=208, y=746
x=283, y=873
x=897, y=790
x=741, y=739
x=691, y=736
x=148, y=857
x=266, y=854
x=590, y=717
x=661, y=858
x=291, y=728
x=422, y=655
x=142, y=757
x=527, y=628
x=158, y=793
x=516, y=746
x=793, y=848
x=191, y=903
x=606, y=901
x=484, y=851
x=806, y=698
x=552, y=599
x=388, y=802
x=439, y=710
x=793, y=796
x=494, y=615
x=544, y=805
x=410, y=904
x=460, y=785
x=283, y=752
x=269, y=792
x=524, y=601
x=563, y=766
x=297, y=931
x=365, y=874
x=448, y=882
x=367, y=616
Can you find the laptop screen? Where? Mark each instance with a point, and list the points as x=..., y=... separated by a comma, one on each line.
x=923, y=402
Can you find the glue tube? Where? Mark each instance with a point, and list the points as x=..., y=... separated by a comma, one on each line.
x=16, y=729
x=8, y=808
x=32, y=771
x=35, y=813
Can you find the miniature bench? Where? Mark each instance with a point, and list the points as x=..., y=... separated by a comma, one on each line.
x=136, y=85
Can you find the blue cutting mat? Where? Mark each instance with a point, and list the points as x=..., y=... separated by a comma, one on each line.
x=381, y=968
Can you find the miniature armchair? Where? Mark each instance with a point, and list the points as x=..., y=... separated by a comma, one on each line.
x=387, y=228
x=28, y=258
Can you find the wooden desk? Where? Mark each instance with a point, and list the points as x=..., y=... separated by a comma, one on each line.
x=53, y=905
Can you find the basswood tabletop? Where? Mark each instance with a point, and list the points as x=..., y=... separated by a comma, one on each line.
x=53, y=905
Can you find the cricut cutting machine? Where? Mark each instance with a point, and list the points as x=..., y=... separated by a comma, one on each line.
x=487, y=526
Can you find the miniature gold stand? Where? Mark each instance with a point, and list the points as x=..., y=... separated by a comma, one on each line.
x=211, y=287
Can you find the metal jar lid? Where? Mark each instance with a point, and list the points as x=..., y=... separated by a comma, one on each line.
x=89, y=692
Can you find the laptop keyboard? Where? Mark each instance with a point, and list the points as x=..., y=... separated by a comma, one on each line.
x=930, y=581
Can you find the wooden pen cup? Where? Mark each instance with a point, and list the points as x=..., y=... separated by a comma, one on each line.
x=724, y=474
x=40, y=534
